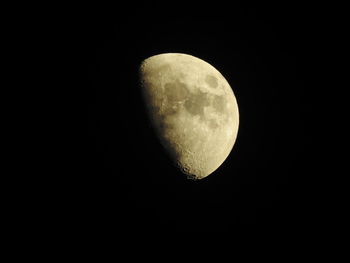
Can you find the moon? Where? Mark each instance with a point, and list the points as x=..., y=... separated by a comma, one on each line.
x=192, y=109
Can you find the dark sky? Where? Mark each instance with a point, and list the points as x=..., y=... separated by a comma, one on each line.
x=126, y=183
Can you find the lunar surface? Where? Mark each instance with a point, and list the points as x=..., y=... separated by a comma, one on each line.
x=192, y=109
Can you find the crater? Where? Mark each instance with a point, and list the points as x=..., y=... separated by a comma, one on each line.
x=196, y=103
x=213, y=124
x=163, y=68
x=219, y=103
x=164, y=124
x=211, y=81
x=170, y=110
x=154, y=109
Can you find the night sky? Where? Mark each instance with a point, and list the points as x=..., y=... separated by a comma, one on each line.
x=126, y=182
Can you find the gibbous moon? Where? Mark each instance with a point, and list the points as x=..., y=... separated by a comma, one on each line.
x=192, y=109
